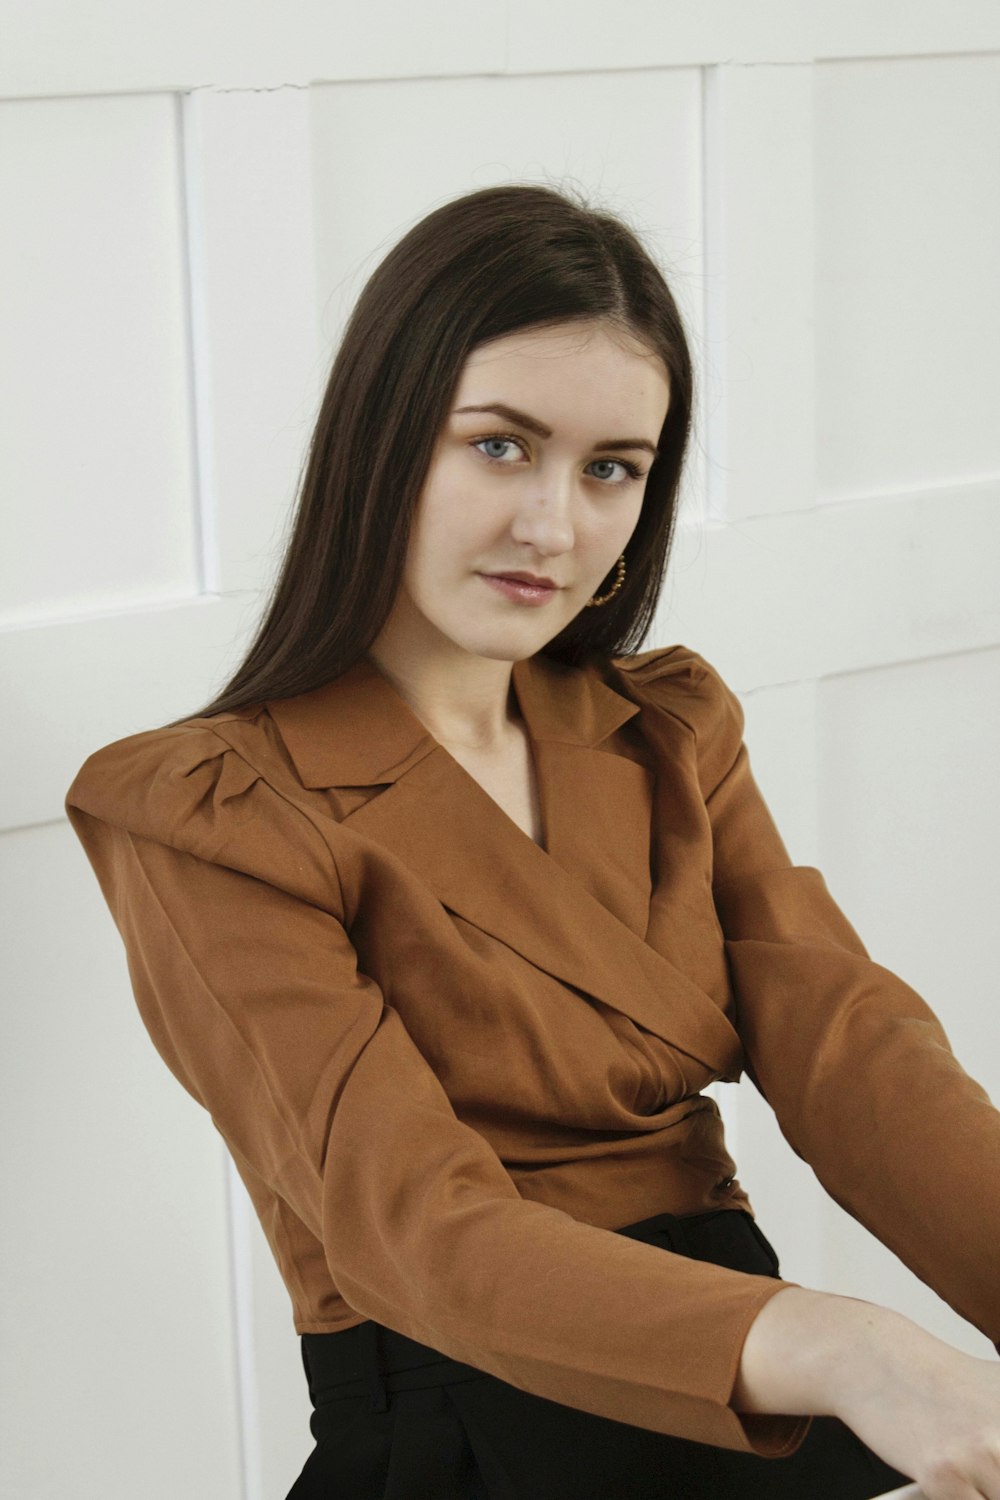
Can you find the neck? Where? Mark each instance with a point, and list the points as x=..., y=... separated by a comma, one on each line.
x=469, y=703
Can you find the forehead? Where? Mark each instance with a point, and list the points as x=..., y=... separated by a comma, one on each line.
x=570, y=375
x=571, y=340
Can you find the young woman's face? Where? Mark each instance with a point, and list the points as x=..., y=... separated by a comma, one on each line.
x=552, y=486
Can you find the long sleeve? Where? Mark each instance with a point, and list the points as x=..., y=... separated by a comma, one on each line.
x=225, y=893
x=854, y=1063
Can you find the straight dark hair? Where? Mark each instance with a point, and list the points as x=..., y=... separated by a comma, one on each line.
x=490, y=263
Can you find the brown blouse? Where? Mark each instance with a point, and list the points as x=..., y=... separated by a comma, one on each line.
x=447, y=1061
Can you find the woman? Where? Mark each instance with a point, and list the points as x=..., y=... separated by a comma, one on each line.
x=450, y=905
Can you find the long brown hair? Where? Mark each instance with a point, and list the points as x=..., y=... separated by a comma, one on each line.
x=490, y=263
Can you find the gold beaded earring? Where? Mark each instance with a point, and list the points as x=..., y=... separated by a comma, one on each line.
x=619, y=580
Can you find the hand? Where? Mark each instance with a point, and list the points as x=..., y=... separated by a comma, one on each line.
x=924, y=1407
x=930, y=1411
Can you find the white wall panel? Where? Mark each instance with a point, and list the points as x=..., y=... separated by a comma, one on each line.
x=258, y=373
x=558, y=34
x=590, y=131
x=758, y=361
x=94, y=377
x=113, y=1236
x=912, y=823
x=907, y=253
x=789, y=598
x=55, y=47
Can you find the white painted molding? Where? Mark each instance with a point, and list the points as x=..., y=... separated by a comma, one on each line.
x=127, y=46
x=243, y=1228
x=258, y=369
x=759, y=360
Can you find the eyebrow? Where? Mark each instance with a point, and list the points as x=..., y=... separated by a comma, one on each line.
x=521, y=419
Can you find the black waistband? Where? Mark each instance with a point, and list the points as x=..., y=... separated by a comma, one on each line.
x=375, y=1360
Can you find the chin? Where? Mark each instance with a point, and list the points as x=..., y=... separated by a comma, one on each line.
x=509, y=649
x=494, y=652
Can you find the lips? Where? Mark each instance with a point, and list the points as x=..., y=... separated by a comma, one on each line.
x=518, y=590
x=526, y=578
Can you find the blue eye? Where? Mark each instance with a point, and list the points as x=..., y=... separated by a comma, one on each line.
x=504, y=442
x=632, y=470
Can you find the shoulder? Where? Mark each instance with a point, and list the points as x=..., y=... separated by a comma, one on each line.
x=217, y=787
x=679, y=682
x=172, y=764
x=682, y=682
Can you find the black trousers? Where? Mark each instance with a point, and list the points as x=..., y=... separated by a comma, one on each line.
x=395, y=1420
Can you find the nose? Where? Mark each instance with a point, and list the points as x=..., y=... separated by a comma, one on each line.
x=544, y=517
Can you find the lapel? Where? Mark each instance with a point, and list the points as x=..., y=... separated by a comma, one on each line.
x=579, y=908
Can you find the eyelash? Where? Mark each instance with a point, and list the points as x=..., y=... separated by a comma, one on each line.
x=632, y=469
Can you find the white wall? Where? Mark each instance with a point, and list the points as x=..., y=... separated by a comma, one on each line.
x=192, y=202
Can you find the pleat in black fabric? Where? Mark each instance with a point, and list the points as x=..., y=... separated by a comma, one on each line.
x=396, y=1420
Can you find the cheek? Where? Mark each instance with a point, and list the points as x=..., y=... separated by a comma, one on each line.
x=443, y=531
x=611, y=530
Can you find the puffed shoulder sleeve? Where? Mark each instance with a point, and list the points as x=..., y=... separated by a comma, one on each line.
x=226, y=896
x=856, y=1066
